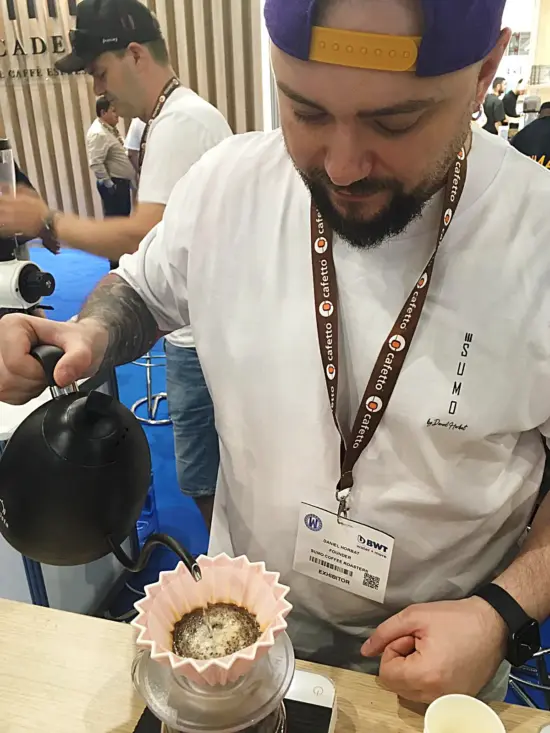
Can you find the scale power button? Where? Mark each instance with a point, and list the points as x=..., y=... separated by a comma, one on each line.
x=318, y=691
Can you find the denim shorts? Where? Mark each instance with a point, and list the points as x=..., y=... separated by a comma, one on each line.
x=192, y=413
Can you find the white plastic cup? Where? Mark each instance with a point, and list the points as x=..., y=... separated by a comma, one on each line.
x=461, y=714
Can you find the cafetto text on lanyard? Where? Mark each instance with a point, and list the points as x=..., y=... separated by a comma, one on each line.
x=170, y=87
x=388, y=366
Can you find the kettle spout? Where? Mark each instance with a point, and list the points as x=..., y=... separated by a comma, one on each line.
x=151, y=542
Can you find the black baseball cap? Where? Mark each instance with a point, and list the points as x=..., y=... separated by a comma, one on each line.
x=107, y=25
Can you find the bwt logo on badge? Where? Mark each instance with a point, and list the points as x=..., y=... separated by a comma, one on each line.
x=370, y=543
x=313, y=522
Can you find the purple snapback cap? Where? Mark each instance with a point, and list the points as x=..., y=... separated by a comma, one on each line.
x=457, y=33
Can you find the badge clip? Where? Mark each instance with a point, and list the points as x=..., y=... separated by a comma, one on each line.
x=342, y=496
x=343, y=493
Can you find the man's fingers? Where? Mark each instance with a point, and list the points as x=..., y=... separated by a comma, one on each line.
x=26, y=390
x=399, y=649
x=399, y=671
x=72, y=366
x=397, y=627
x=22, y=376
x=77, y=358
x=395, y=666
x=413, y=676
x=16, y=337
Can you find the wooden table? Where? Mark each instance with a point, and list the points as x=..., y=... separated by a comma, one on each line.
x=64, y=673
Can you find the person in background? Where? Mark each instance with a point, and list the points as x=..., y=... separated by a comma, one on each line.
x=132, y=143
x=531, y=108
x=23, y=185
x=510, y=100
x=534, y=140
x=109, y=162
x=6, y=243
x=494, y=108
x=119, y=42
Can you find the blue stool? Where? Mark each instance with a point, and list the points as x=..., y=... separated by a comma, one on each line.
x=148, y=523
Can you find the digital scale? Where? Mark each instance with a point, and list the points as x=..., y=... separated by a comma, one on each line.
x=310, y=706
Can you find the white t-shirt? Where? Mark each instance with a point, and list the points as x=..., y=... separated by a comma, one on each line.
x=134, y=134
x=233, y=254
x=186, y=128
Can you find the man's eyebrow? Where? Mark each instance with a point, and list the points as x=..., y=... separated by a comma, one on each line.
x=288, y=92
x=401, y=108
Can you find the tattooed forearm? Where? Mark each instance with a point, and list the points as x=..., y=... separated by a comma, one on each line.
x=132, y=329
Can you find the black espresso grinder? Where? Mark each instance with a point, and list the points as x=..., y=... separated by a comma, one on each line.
x=74, y=478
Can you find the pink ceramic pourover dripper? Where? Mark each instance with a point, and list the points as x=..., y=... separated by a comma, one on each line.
x=224, y=580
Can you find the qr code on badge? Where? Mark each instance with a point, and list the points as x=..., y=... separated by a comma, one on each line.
x=371, y=581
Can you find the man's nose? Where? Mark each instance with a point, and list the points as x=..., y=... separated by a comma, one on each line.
x=347, y=160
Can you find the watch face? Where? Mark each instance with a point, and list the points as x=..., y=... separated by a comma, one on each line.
x=525, y=643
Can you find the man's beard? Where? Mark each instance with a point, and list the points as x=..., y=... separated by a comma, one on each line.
x=404, y=207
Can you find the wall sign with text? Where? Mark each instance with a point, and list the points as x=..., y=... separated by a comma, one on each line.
x=520, y=45
x=33, y=35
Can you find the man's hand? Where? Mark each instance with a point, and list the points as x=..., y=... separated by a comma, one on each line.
x=22, y=214
x=22, y=377
x=108, y=185
x=436, y=649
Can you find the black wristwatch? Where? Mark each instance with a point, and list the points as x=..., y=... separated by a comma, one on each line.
x=523, y=631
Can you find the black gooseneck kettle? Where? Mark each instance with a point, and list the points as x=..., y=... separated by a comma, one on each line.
x=74, y=478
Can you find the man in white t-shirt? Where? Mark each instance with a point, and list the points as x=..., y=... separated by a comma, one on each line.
x=131, y=69
x=132, y=143
x=376, y=161
x=120, y=44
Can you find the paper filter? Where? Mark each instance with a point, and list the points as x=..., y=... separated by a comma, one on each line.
x=224, y=580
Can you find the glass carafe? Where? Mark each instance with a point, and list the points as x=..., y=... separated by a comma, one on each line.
x=252, y=704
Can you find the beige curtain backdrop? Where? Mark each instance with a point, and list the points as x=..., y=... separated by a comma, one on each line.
x=215, y=47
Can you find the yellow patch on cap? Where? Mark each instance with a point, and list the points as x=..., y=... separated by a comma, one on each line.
x=364, y=50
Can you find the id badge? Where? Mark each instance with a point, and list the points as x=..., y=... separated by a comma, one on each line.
x=346, y=554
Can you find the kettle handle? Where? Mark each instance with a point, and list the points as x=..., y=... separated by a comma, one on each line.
x=48, y=357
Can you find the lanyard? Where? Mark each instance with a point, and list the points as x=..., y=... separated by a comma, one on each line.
x=392, y=357
x=170, y=87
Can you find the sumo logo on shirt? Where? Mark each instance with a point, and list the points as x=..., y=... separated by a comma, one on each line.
x=331, y=371
x=457, y=388
x=326, y=309
x=423, y=281
x=397, y=343
x=374, y=404
x=313, y=522
x=321, y=246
